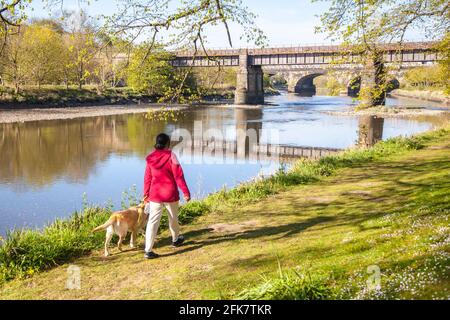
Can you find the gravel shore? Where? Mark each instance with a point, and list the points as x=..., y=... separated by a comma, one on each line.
x=390, y=112
x=38, y=114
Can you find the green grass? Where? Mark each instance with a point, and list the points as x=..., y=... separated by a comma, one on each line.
x=324, y=221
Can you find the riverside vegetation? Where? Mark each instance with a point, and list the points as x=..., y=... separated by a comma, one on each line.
x=317, y=226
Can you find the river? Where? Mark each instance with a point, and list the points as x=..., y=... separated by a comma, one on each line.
x=46, y=167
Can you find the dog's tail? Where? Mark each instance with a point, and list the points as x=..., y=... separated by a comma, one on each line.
x=108, y=223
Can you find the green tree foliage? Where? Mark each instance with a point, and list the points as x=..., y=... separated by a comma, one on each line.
x=12, y=14
x=370, y=22
x=42, y=53
x=151, y=74
x=80, y=41
x=13, y=62
x=444, y=49
x=215, y=78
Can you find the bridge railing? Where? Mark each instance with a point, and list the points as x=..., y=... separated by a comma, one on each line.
x=310, y=47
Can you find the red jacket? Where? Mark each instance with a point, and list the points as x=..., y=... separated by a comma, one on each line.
x=163, y=175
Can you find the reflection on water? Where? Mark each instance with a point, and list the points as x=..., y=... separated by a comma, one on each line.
x=47, y=166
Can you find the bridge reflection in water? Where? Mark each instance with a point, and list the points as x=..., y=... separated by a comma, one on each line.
x=247, y=144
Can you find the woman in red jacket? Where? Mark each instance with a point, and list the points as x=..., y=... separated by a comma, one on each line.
x=163, y=177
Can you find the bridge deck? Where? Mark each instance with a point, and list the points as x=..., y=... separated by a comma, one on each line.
x=409, y=52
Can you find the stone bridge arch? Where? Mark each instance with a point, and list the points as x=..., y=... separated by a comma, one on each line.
x=393, y=83
x=302, y=82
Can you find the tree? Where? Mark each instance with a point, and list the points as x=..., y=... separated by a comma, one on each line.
x=42, y=53
x=444, y=49
x=53, y=24
x=80, y=41
x=365, y=24
x=14, y=62
x=12, y=14
x=151, y=74
x=111, y=61
x=209, y=78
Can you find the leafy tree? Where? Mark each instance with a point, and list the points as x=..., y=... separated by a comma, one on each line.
x=80, y=41
x=53, y=24
x=14, y=62
x=12, y=14
x=151, y=74
x=42, y=54
x=215, y=77
x=444, y=49
x=111, y=61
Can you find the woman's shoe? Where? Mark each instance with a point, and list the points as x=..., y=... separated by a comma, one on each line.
x=151, y=255
x=179, y=242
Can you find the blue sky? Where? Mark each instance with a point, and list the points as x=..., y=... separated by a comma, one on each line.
x=285, y=22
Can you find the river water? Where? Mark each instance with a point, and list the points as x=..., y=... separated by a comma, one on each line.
x=46, y=167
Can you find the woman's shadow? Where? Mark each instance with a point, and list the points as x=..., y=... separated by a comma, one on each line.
x=283, y=231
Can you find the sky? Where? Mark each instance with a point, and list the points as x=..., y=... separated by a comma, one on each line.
x=284, y=22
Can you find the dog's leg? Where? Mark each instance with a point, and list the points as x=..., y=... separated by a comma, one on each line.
x=119, y=244
x=132, y=239
x=109, y=235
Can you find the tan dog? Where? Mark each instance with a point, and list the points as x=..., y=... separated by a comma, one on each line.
x=121, y=222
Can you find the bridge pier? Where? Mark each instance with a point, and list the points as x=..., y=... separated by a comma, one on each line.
x=249, y=84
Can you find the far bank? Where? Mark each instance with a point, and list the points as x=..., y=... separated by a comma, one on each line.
x=427, y=95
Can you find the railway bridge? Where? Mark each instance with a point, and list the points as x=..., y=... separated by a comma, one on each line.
x=300, y=65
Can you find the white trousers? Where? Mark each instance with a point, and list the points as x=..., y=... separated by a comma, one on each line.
x=155, y=210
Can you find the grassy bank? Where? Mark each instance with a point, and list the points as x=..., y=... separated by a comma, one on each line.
x=323, y=222
x=73, y=96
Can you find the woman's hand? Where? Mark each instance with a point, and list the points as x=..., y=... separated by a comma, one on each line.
x=187, y=198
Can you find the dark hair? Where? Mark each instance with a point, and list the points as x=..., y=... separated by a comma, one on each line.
x=162, y=141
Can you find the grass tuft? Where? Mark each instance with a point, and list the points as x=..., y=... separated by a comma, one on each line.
x=291, y=285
